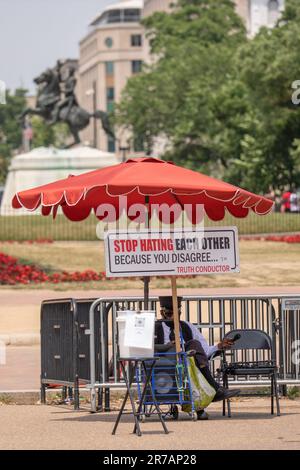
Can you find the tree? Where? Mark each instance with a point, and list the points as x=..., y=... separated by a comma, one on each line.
x=193, y=48
x=45, y=135
x=172, y=98
x=221, y=101
x=10, y=128
x=268, y=65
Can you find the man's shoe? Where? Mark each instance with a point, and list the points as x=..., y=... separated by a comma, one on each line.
x=225, y=394
x=202, y=415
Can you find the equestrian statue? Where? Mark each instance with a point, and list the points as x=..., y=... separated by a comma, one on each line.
x=57, y=102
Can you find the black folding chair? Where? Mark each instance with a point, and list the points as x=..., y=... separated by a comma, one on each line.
x=251, y=355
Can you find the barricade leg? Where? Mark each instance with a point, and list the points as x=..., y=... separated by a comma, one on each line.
x=100, y=399
x=64, y=393
x=276, y=395
x=272, y=394
x=43, y=394
x=107, y=399
x=76, y=395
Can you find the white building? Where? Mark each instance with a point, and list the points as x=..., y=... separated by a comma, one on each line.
x=151, y=6
x=255, y=13
x=263, y=13
x=110, y=53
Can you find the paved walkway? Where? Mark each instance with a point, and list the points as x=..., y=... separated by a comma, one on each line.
x=251, y=427
x=23, y=427
x=22, y=369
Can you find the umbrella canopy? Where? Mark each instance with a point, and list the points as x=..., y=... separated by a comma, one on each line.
x=142, y=180
x=160, y=181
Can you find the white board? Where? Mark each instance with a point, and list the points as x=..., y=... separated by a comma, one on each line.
x=213, y=250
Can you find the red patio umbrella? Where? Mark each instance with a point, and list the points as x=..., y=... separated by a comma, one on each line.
x=161, y=181
x=148, y=181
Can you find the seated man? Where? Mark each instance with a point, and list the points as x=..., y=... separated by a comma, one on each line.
x=193, y=340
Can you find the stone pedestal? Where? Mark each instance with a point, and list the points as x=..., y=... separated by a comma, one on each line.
x=45, y=165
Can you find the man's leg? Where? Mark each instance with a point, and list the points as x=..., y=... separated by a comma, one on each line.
x=201, y=361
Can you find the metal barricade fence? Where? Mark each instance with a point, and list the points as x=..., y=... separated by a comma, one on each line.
x=214, y=316
x=59, y=346
x=65, y=349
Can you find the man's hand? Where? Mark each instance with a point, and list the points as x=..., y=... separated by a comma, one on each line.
x=225, y=344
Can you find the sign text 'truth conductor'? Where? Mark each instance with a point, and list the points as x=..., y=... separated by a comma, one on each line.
x=158, y=253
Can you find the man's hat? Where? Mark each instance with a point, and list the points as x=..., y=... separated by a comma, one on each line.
x=167, y=302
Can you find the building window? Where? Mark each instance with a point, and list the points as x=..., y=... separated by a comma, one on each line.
x=114, y=16
x=110, y=94
x=136, y=66
x=132, y=15
x=110, y=97
x=108, y=42
x=128, y=15
x=109, y=68
x=110, y=106
x=111, y=145
x=136, y=40
x=273, y=12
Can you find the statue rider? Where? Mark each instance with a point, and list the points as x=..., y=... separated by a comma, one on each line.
x=57, y=102
x=69, y=99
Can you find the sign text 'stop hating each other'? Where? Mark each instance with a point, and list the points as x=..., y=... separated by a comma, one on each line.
x=153, y=253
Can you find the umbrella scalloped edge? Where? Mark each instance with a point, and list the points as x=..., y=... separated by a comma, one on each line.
x=237, y=204
x=136, y=179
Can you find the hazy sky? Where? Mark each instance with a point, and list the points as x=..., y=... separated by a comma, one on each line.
x=35, y=33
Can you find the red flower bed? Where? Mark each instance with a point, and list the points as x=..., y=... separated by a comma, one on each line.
x=284, y=238
x=274, y=238
x=30, y=242
x=13, y=272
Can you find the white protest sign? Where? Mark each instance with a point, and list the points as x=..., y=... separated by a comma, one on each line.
x=163, y=253
x=139, y=330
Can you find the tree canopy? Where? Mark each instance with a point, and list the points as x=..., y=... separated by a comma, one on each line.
x=220, y=101
x=11, y=130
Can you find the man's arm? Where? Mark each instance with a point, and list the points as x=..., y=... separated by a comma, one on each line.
x=209, y=350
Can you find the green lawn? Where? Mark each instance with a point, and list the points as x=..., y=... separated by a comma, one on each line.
x=262, y=264
x=32, y=227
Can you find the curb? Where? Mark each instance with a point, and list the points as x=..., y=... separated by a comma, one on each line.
x=22, y=397
x=33, y=397
x=22, y=339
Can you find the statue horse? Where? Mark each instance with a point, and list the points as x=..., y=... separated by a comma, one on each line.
x=47, y=97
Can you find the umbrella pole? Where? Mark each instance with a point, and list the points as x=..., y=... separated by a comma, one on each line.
x=176, y=314
x=146, y=278
x=146, y=292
